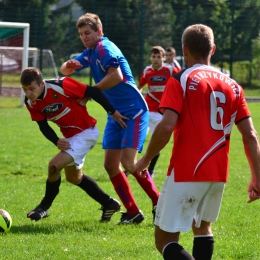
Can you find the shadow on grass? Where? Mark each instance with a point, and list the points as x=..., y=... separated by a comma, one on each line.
x=74, y=226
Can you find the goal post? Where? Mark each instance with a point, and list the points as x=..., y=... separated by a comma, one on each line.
x=26, y=31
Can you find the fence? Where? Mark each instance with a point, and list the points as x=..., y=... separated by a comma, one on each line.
x=137, y=25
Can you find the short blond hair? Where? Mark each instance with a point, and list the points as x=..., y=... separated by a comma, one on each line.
x=199, y=39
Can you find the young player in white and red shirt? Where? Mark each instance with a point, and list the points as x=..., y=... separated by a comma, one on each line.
x=170, y=59
x=57, y=101
x=155, y=77
x=200, y=104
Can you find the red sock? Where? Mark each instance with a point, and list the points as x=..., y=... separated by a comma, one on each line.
x=124, y=192
x=148, y=186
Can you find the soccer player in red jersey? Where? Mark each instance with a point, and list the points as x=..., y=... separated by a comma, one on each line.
x=155, y=77
x=56, y=101
x=200, y=105
x=170, y=59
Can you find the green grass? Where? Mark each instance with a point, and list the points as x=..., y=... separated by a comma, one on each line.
x=73, y=232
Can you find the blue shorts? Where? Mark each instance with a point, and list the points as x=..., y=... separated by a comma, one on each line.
x=115, y=137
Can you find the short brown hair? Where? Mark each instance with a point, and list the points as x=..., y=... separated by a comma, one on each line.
x=199, y=39
x=157, y=49
x=29, y=75
x=90, y=19
x=171, y=49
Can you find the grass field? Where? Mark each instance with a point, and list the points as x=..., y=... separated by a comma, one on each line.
x=73, y=230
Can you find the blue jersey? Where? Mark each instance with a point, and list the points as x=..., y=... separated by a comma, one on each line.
x=125, y=96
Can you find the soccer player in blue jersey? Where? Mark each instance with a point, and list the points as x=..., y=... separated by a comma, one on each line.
x=113, y=76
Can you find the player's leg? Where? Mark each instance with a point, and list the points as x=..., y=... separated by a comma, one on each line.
x=108, y=205
x=167, y=244
x=122, y=187
x=207, y=212
x=178, y=204
x=112, y=145
x=155, y=118
x=128, y=161
x=56, y=164
x=203, y=243
x=135, y=134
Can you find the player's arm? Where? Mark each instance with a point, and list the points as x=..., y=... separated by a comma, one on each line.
x=47, y=131
x=100, y=98
x=161, y=136
x=113, y=75
x=70, y=66
x=252, y=151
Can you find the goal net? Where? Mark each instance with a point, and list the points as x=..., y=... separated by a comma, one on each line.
x=15, y=55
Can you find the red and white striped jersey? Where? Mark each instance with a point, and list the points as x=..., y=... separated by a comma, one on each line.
x=156, y=81
x=59, y=105
x=208, y=103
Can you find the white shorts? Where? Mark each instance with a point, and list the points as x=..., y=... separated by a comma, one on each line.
x=155, y=118
x=81, y=144
x=181, y=202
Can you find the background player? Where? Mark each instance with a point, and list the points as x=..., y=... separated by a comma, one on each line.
x=155, y=76
x=113, y=76
x=200, y=104
x=170, y=59
x=56, y=100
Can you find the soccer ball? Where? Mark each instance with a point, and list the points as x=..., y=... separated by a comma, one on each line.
x=5, y=221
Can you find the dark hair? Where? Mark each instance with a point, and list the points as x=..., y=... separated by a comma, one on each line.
x=157, y=49
x=171, y=49
x=29, y=75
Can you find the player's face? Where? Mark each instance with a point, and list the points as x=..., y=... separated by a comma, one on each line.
x=169, y=57
x=88, y=36
x=156, y=60
x=33, y=91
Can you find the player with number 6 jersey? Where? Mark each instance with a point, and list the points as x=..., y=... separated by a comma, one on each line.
x=199, y=105
x=203, y=130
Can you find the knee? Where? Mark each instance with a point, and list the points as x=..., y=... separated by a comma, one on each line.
x=128, y=166
x=53, y=172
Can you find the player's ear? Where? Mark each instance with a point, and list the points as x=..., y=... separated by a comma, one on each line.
x=213, y=49
x=100, y=33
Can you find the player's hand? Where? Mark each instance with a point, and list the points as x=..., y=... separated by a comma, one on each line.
x=253, y=191
x=63, y=144
x=73, y=64
x=141, y=167
x=83, y=101
x=120, y=119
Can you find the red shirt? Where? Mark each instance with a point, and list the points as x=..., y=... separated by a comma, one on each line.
x=156, y=81
x=59, y=105
x=208, y=103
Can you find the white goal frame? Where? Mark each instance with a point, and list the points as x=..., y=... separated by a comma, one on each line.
x=26, y=33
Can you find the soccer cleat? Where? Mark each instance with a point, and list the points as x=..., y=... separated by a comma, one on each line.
x=109, y=210
x=154, y=212
x=131, y=219
x=38, y=213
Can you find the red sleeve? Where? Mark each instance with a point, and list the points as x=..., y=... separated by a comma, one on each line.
x=242, y=111
x=172, y=97
x=142, y=80
x=73, y=88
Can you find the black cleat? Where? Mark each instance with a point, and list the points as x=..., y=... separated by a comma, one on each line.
x=154, y=212
x=109, y=210
x=38, y=213
x=131, y=219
